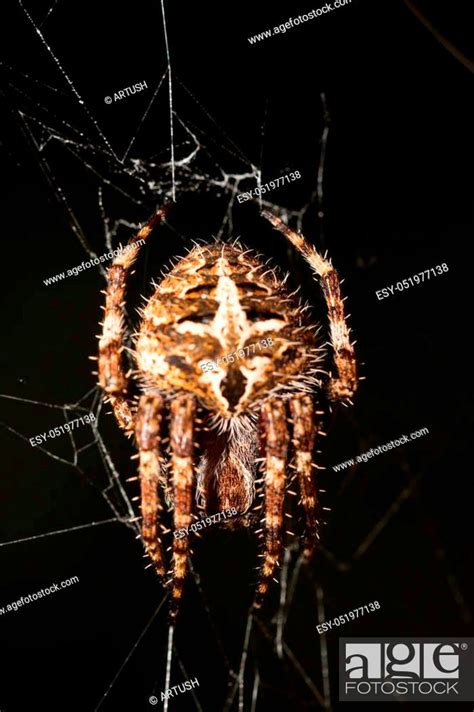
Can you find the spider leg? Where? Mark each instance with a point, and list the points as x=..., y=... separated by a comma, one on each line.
x=276, y=448
x=112, y=377
x=343, y=387
x=304, y=435
x=182, y=445
x=148, y=425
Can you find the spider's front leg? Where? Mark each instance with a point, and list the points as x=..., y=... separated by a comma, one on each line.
x=276, y=451
x=182, y=447
x=344, y=385
x=305, y=428
x=148, y=427
x=112, y=377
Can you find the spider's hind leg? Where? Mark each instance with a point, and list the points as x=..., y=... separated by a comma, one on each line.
x=344, y=385
x=112, y=377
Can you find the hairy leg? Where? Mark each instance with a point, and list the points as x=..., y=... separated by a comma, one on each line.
x=276, y=449
x=148, y=426
x=112, y=377
x=182, y=447
x=305, y=428
x=344, y=385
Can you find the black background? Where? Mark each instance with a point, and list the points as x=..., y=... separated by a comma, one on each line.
x=398, y=201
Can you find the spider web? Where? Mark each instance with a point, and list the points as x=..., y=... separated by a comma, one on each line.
x=199, y=158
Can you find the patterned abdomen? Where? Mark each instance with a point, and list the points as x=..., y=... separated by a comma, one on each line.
x=222, y=304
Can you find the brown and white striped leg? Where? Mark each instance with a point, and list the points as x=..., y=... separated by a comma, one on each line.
x=112, y=377
x=182, y=447
x=276, y=439
x=304, y=435
x=344, y=385
x=148, y=427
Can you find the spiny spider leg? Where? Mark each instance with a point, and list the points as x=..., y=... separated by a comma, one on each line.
x=182, y=446
x=112, y=377
x=343, y=387
x=305, y=429
x=148, y=427
x=276, y=438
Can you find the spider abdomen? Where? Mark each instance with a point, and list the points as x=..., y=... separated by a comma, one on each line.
x=220, y=304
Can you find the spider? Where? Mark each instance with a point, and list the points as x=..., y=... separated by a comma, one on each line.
x=215, y=301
